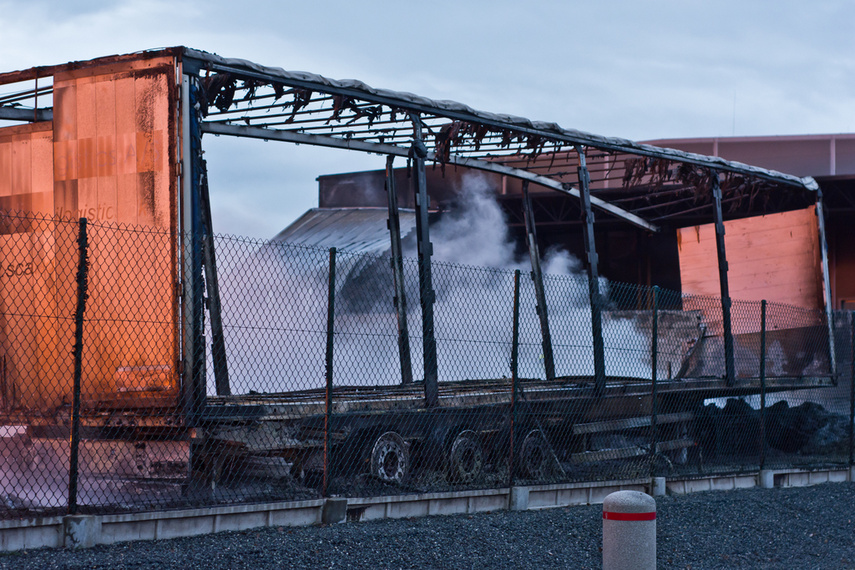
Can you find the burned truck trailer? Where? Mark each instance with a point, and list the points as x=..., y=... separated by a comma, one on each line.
x=118, y=141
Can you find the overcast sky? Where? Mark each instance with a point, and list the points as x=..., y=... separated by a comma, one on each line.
x=628, y=68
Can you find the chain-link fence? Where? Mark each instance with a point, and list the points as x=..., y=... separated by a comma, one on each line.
x=317, y=379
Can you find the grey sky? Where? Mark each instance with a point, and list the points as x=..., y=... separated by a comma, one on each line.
x=640, y=70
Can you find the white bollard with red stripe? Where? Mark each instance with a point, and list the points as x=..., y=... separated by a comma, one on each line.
x=629, y=531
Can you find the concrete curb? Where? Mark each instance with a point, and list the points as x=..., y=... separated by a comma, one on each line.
x=81, y=531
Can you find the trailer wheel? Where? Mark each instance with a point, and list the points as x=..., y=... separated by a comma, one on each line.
x=535, y=456
x=465, y=458
x=390, y=458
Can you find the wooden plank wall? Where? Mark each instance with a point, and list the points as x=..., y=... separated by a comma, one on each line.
x=774, y=257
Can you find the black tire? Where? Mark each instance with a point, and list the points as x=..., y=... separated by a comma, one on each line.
x=390, y=458
x=535, y=456
x=465, y=458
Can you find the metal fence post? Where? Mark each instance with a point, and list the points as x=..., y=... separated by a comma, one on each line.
x=82, y=295
x=654, y=352
x=515, y=346
x=329, y=370
x=852, y=389
x=762, y=383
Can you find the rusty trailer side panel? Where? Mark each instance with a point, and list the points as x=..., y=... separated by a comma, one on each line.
x=109, y=155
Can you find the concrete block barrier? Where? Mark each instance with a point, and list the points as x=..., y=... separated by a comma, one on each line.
x=629, y=531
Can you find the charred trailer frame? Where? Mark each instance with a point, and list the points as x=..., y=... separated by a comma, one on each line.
x=197, y=93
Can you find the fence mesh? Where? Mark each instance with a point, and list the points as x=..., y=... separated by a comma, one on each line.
x=615, y=381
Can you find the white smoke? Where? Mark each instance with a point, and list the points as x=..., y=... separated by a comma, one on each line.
x=274, y=310
x=475, y=233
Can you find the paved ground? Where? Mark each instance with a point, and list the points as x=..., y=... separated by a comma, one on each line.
x=804, y=528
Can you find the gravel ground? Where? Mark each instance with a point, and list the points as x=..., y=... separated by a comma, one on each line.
x=801, y=528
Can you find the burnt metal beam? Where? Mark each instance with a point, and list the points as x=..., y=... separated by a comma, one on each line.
x=393, y=150
x=425, y=250
x=729, y=365
x=421, y=105
x=593, y=277
x=192, y=286
x=826, y=282
x=397, y=262
x=537, y=277
x=22, y=114
x=209, y=260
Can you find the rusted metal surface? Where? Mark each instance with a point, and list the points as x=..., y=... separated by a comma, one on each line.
x=118, y=131
x=112, y=150
x=291, y=425
x=111, y=63
x=25, y=169
x=594, y=296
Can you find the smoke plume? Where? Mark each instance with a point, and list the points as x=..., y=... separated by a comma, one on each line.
x=275, y=302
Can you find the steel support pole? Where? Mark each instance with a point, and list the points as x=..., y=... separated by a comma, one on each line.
x=425, y=250
x=593, y=276
x=329, y=370
x=537, y=277
x=397, y=261
x=826, y=283
x=515, y=350
x=729, y=365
